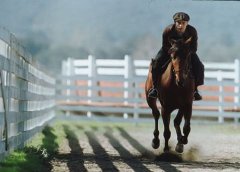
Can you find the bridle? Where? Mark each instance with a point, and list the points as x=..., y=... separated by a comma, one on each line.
x=186, y=69
x=184, y=51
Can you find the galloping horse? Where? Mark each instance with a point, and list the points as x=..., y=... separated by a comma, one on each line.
x=175, y=91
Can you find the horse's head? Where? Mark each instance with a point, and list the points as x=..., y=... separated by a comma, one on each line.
x=180, y=58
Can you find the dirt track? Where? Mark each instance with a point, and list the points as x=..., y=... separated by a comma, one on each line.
x=107, y=146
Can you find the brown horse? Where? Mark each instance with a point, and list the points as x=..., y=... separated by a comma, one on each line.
x=176, y=89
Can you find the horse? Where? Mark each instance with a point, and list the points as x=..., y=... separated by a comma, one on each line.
x=175, y=91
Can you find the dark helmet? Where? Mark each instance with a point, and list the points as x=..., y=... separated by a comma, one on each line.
x=181, y=16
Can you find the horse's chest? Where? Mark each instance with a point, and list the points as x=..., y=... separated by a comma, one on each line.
x=174, y=95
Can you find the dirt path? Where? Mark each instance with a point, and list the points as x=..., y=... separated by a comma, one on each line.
x=104, y=146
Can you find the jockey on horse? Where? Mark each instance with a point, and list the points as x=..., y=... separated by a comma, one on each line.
x=179, y=30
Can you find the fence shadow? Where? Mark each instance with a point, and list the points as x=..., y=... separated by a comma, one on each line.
x=149, y=155
x=101, y=155
x=75, y=161
x=213, y=165
x=49, y=140
x=126, y=156
x=145, y=152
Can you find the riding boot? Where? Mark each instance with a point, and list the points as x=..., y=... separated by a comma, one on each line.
x=157, y=69
x=197, y=96
x=153, y=93
x=198, y=72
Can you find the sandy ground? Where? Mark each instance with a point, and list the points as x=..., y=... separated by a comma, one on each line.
x=113, y=146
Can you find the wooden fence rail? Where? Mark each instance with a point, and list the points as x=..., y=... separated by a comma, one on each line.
x=117, y=86
x=27, y=95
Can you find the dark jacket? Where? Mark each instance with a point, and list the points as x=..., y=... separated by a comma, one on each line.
x=171, y=33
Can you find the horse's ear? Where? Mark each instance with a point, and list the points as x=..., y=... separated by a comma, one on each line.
x=188, y=40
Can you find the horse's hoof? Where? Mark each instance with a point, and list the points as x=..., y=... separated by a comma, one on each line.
x=166, y=150
x=155, y=143
x=184, y=140
x=179, y=148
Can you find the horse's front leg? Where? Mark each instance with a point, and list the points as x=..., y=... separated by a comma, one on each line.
x=156, y=141
x=177, y=122
x=187, y=128
x=166, y=122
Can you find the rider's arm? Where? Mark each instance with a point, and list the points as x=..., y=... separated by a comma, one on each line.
x=194, y=42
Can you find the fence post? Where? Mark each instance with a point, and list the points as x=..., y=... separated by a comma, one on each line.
x=220, y=99
x=3, y=77
x=127, y=82
x=5, y=85
x=236, y=88
x=69, y=71
x=91, y=80
x=136, y=92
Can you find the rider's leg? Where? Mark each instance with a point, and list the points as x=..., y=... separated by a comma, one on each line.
x=155, y=68
x=198, y=72
x=157, y=65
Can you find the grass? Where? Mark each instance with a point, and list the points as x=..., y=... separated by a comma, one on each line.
x=35, y=156
x=22, y=160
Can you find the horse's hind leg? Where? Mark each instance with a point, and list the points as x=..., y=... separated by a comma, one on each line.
x=177, y=122
x=156, y=115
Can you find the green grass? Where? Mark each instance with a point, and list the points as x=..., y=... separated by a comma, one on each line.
x=23, y=160
x=35, y=156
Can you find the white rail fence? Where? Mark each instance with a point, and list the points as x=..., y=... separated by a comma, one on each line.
x=117, y=86
x=27, y=95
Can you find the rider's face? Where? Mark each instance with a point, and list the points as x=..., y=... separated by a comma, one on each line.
x=181, y=26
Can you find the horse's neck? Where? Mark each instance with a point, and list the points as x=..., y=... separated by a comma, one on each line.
x=167, y=75
x=168, y=79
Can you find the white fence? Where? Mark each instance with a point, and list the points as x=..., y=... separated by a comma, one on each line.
x=117, y=86
x=27, y=95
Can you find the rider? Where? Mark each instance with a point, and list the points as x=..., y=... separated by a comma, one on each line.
x=179, y=30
